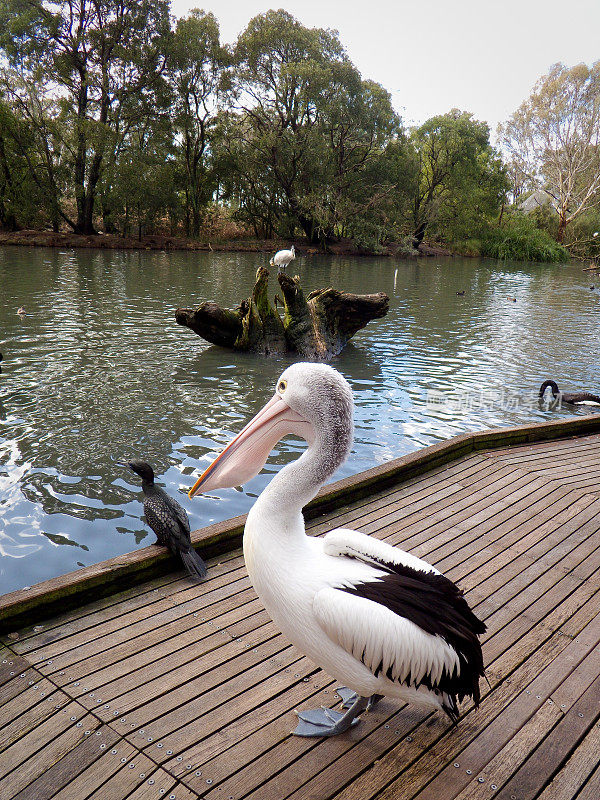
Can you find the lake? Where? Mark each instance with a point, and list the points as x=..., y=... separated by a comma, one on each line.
x=98, y=371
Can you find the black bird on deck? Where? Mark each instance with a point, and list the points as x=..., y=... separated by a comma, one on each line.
x=168, y=520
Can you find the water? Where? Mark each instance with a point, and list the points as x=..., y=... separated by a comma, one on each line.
x=98, y=371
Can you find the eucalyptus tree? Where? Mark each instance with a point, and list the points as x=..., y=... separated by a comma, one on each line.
x=306, y=124
x=79, y=68
x=138, y=189
x=22, y=200
x=554, y=138
x=459, y=178
x=195, y=71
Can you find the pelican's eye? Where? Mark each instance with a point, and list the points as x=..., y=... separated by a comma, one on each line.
x=281, y=386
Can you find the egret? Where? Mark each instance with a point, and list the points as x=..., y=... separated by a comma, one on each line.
x=282, y=258
x=380, y=620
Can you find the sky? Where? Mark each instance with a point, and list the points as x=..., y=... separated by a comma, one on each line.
x=434, y=55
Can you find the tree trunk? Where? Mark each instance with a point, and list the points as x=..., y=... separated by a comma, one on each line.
x=419, y=235
x=562, y=227
x=316, y=328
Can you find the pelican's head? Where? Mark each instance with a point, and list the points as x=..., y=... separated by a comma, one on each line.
x=312, y=401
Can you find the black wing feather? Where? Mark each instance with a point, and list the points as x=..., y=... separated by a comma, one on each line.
x=436, y=605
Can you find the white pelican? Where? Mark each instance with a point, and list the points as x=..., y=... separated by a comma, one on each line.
x=282, y=258
x=378, y=619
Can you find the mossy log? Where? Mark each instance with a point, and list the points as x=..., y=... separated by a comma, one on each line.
x=317, y=327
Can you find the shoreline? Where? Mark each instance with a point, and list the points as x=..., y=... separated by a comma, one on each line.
x=30, y=238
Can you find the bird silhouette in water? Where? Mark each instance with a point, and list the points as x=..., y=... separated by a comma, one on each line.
x=168, y=520
x=461, y=293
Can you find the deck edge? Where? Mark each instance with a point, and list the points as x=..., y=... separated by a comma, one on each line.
x=32, y=604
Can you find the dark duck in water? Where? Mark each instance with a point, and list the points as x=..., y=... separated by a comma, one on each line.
x=573, y=398
x=168, y=520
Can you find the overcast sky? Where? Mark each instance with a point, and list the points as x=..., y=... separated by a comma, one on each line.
x=434, y=55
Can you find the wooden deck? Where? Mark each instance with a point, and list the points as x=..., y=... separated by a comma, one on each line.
x=172, y=690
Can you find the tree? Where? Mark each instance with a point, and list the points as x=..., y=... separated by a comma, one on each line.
x=195, y=72
x=21, y=199
x=138, y=188
x=305, y=127
x=459, y=177
x=554, y=138
x=80, y=67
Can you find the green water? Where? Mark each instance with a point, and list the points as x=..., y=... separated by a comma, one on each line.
x=97, y=371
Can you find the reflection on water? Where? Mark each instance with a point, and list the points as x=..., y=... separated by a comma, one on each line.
x=97, y=371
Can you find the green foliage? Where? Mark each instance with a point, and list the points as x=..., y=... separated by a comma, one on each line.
x=133, y=120
x=306, y=131
x=21, y=201
x=520, y=240
x=81, y=86
x=195, y=72
x=460, y=181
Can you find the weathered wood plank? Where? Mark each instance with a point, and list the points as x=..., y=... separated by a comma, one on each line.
x=30, y=756
x=63, y=774
x=555, y=749
x=576, y=772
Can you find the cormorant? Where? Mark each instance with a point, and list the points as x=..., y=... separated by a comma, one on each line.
x=168, y=520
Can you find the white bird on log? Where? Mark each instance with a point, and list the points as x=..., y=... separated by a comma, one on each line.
x=282, y=258
x=380, y=620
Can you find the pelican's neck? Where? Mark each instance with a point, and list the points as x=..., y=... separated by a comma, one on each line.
x=297, y=483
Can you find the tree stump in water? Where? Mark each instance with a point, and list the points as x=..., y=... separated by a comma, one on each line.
x=317, y=327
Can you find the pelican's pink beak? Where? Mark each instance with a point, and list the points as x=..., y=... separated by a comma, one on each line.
x=247, y=454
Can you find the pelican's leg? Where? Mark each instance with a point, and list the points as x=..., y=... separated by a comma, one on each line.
x=349, y=697
x=326, y=722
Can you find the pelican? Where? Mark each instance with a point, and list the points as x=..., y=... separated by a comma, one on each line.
x=282, y=258
x=572, y=398
x=377, y=619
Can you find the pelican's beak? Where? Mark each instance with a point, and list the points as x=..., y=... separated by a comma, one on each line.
x=247, y=454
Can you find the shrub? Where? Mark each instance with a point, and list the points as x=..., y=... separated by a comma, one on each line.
x=520, y=240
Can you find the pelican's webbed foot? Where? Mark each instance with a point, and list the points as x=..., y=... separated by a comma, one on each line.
x=349, y=697
x=326, y=722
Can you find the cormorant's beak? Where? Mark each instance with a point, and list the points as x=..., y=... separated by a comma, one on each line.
x=247, y=454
